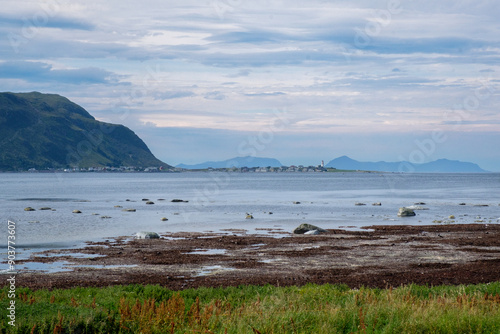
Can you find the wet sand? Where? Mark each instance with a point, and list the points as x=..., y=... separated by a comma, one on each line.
x=380, y=256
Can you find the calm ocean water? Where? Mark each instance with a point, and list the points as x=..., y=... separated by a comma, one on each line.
x=220, y=201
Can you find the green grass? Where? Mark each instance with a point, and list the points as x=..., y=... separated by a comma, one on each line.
x=257, y=309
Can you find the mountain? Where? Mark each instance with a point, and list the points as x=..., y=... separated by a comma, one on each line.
x=438, y=166
x=235, y=162
x=49, y=131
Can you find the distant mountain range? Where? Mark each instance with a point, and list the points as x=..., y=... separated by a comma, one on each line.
x=438, y=166
x=346, y=163
x=235, y=162
x=49, y=131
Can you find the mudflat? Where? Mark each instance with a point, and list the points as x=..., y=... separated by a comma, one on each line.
x=378, y=256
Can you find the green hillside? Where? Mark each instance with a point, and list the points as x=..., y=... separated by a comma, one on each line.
x=49, y=131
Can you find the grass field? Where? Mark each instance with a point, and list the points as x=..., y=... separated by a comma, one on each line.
x=256, y=309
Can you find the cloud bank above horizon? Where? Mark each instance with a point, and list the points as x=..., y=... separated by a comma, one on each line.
x=299, y=81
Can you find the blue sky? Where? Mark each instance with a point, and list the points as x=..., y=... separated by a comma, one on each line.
x=300, y=81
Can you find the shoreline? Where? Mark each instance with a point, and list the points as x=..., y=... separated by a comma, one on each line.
x=380, y=256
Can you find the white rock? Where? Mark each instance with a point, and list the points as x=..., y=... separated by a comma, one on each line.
x=313, y=232
x=146, y=235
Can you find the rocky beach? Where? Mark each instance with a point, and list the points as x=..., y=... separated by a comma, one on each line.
x=377, y=256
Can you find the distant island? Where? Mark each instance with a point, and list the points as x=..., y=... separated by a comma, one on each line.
x=247, y=161
x=49, y=132
x=438, y=166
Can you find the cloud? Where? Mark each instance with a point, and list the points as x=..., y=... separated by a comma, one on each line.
x=265, y=94
x=43, y=72
x=475, y=122
x=173, y=95
x=42, y=19
x=215, y=95
x=240, y=73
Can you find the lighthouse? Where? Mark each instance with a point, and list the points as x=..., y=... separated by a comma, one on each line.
x=322, y=164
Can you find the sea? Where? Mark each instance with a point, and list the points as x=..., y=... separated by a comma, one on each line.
x=221, y=202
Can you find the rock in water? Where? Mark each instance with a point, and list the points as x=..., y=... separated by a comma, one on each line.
x=77, y=211
x=146, y=235
x=405, y=212
x=29, y=208
x=176, y=200
x=303, y=228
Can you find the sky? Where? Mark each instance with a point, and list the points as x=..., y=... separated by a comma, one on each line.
x=300, y=81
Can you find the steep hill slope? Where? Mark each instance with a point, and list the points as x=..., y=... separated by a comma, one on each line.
x=49, y=131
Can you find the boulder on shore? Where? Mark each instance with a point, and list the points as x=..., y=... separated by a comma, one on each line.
x=146, y=235
x=304, y=228
x=406, y=212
